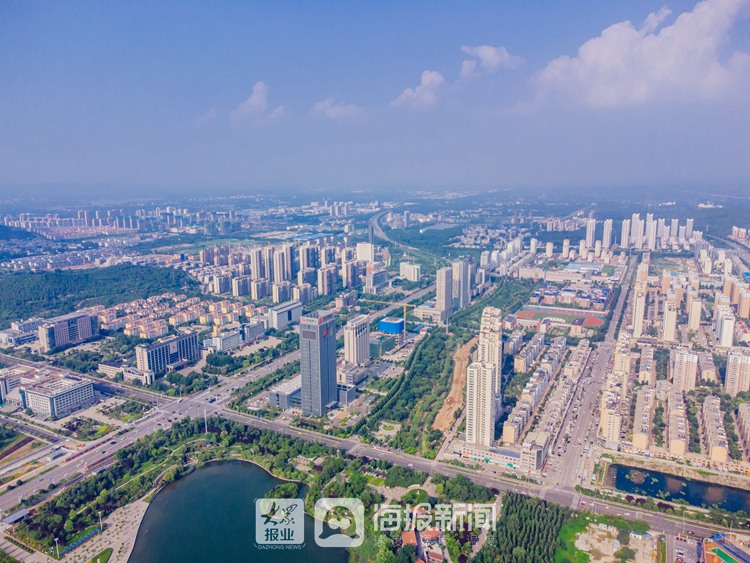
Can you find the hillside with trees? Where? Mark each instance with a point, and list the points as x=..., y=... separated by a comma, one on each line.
x=46, y=294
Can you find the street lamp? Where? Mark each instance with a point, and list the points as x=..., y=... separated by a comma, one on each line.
x=58, y=547
x=99, y=512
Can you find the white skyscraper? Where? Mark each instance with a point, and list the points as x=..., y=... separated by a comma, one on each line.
x=357, y=340
x=738, y=372
x=444, y=291
x=625, y=234
x=590, y=232
x=724, y=326
x=481, y=392
x=689, y=228
x=694, y=314
x=461, y=284
x=490, y=348
x=684, y=368
x=607, y=234
x=639, y=311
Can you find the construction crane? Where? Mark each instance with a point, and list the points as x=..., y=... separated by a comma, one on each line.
x=402, y=303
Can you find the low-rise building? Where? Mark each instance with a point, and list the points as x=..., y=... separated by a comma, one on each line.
x=57, y=397
x=714, y=433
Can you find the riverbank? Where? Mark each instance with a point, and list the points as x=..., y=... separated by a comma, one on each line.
x=124, y=523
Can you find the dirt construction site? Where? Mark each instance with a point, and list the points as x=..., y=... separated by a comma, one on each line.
x=444, y=419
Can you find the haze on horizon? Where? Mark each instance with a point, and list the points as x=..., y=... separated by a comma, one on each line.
x=288, y=96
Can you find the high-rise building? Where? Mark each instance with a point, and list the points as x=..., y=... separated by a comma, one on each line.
x=365, y=252
x=625, y=234
x=257, y=271
x=279, y=268
x=724, y=326
x=490, y=348
x=636, y=230
x=444, y=290
x=669, y=328
x=684, y=369
x=607, y=234
x=318, y=362
x=738, y=372
x=357, y=340
x=639, y=311
x=327, y=278
x=689, y=228
x=694, y=314
x=461, y=284
x=566, y=249
x=590, y=232
x=674, y=228
x=481, y=391
x=268, y=254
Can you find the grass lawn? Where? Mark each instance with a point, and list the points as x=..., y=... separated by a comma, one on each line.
x=568, y=534
x=415, y=496
x=103, y=557
x=375, y=481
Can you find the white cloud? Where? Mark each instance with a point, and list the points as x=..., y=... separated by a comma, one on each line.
x=424, y=95
x=629, y=65
x=208, y=117
x=490, y=59
x=256, y=106
x=329, y=108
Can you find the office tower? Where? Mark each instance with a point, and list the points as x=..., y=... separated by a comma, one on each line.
x=481, y=391
x=669, y=328
x=67, y=329
x=639, y=311
x=490, y=348
x=169, y=351
x=444, y=290
x=607, y=235
x=590, y=232
x=684, y=369
x=689, y=228
x=461, y=284
x=625, y=234
x=566, y=249
x=724, y=326
x=694, y=314
x=317, y=346
x=357, y=340
x=738, y=372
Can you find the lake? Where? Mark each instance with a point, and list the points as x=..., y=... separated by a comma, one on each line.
x=672, y=487
x=209, y=515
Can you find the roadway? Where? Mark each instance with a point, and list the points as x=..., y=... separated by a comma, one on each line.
x=573, y=462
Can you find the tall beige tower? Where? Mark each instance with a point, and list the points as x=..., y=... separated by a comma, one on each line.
x=490, y=348
x=481, y=391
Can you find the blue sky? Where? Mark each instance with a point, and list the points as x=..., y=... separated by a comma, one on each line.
x=393, y=95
